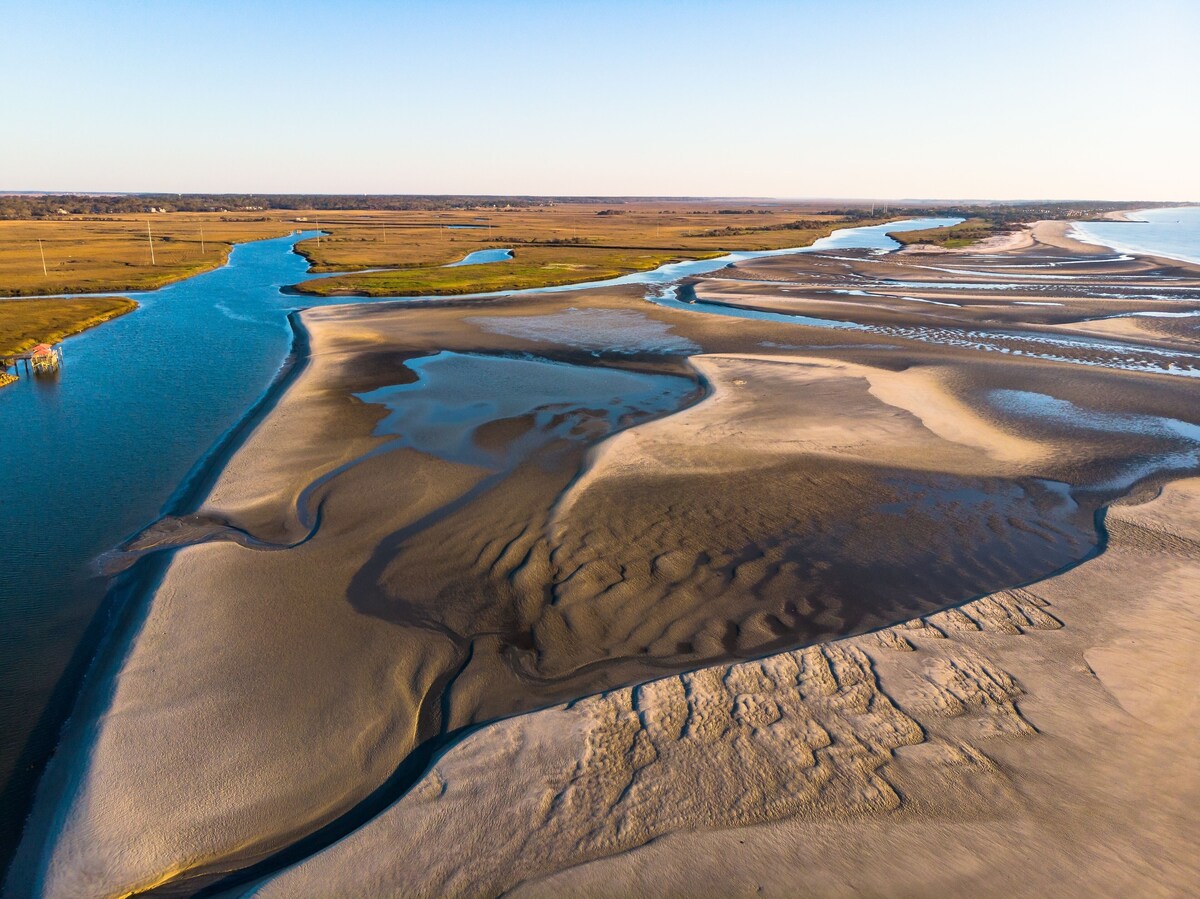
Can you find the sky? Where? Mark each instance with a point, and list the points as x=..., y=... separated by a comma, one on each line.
x=842, y=98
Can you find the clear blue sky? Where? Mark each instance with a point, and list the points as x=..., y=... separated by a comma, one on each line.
x=847, y=98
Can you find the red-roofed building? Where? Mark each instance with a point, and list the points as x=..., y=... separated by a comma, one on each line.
x=45, y=358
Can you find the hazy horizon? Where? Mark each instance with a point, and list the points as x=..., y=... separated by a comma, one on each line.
x=1015, y=201
x=856, y=100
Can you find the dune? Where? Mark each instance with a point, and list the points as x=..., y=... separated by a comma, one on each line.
x=1058, y=234
x=1020, y=239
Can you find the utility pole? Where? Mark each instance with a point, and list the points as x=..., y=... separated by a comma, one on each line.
x=201, y=240
x=45, y=273
x=150, y=237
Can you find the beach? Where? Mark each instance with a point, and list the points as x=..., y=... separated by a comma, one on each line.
x=808, y=554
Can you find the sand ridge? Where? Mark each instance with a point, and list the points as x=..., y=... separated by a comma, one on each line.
x=757, y=406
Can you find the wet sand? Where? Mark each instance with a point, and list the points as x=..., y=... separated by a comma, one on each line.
x=651, y=493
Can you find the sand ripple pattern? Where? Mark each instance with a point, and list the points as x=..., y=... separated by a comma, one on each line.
x=809, y=733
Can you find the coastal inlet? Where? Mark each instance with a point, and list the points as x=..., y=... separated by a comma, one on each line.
x=459, y=511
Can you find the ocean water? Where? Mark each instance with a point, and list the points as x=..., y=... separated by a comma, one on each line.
x=1172, y=232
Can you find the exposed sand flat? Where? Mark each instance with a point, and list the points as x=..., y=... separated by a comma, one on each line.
x=1058, y=234
x=571, y=518
x=934, y=303
x=1024, y=741
x=754, y=412
x=1044, y=300
x=1164, y=330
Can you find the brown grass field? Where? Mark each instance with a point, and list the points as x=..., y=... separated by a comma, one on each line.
x=113, y=254
x=560, y=243
x=533, y=266
x=26, y=323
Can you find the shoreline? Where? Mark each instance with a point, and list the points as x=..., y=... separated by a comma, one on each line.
x=1118, y=247
x=1049, y=232
x=1062, y=233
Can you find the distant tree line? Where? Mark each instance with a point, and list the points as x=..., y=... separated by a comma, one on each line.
x=734, y=230
x=1013, y=214
x=35, y=206
x=545, y=241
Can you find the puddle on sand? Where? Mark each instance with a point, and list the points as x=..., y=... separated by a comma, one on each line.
x=494, y=411
x=1046, y=407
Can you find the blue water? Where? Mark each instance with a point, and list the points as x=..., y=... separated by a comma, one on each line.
x=1173, y=232
x=1040, y=405
x=481, y=257
x=456, y=395
x=97, y=453
x=94, y=454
